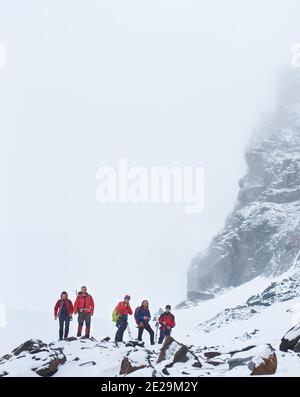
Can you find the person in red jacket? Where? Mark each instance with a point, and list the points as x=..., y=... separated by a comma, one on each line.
x=123, y=309
x=167, y=322
x=84, y=306
x=63, y=310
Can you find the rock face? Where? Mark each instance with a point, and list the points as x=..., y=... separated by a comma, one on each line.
x=262, y=234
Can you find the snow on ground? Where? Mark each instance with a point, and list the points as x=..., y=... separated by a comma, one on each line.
x=266, y=325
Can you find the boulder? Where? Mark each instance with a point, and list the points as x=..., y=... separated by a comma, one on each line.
x=264, y=363
x=291, y=340
x=181, y=355
x=253, y=357
x=51, y=366
x=32, y=346
x=260, y=360
x=162, y=355
x=128, y=368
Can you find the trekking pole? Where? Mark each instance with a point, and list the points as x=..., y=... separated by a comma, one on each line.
x=156, y=332
x=160, y=311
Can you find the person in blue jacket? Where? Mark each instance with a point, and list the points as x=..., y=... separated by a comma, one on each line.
x=142, y=317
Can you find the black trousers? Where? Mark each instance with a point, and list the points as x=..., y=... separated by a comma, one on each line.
x=122, y=325
x=148, y=328
x=64, y=323
x=84, y=317
x=164, y=332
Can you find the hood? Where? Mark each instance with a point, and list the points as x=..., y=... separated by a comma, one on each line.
x=80, y=293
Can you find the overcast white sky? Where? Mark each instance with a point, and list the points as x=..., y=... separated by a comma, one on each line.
x=161, y=83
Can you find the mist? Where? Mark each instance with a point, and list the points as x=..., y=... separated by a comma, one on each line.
x=160, y=83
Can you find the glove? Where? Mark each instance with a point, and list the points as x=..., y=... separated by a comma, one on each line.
x=71, y=318
x=55, y=317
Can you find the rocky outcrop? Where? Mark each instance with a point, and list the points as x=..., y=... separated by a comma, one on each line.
x=261, y=235
x=104, y=358
x=291, y=340
x=50, y=368
x=172, y=353
x=280, y=291
x=30, y=346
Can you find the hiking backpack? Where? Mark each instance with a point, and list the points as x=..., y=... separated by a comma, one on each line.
x=115, y=315
x=136, y=314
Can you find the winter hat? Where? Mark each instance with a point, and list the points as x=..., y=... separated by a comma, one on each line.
x=168, y=307
x=126, y=297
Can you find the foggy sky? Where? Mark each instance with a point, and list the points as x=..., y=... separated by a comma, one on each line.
x=160, y=83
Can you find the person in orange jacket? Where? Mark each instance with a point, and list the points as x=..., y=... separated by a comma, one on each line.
x=84, y=306
x=123, y=309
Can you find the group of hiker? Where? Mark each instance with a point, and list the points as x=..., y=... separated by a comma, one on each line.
x=84, y=306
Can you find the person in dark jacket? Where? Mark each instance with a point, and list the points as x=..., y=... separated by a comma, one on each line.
x=63, y=310
x=167, y=322
x=84, y=306
x=142, y=318
x=123, y=309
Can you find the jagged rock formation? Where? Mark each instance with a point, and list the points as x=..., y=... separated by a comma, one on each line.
x=262, y=234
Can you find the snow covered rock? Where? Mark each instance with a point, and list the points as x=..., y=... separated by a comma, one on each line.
x=260, y=360
x=33, y=357
x=172, y=353
x=277, y=292
x=264, y=363
x=261, y=235
x=127, y=367
x=30, y=346
x=50, y=367
x=291, y=340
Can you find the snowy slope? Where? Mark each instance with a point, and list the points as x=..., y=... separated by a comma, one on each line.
x=217, y=325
